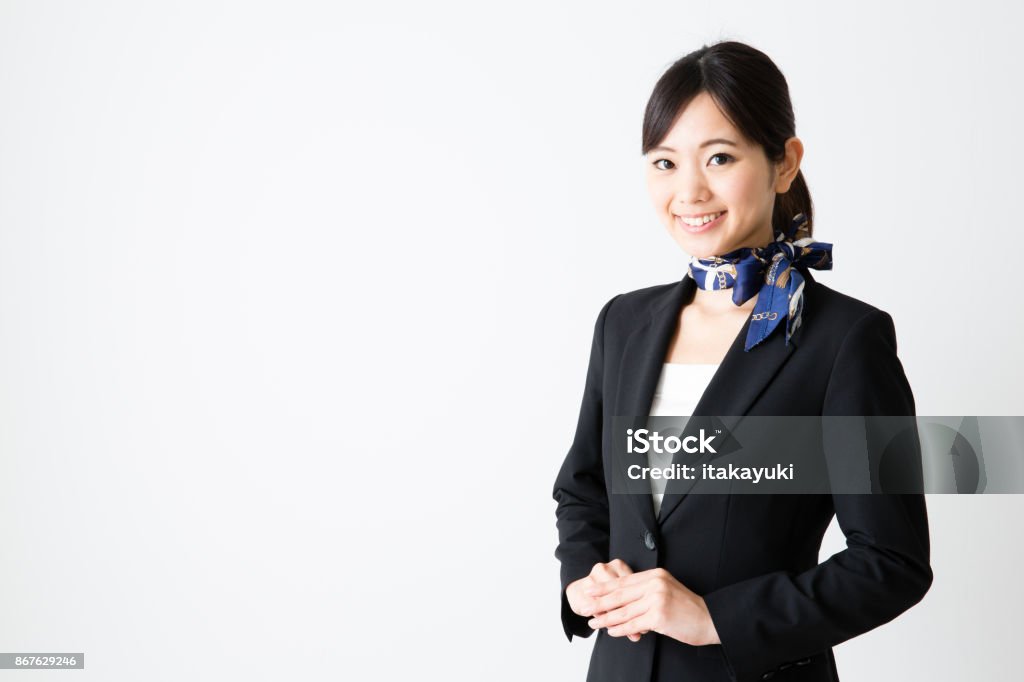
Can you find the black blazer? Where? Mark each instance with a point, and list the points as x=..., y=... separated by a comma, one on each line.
x=753, y=558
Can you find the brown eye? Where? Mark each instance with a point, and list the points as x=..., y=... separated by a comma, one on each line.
x=724, y=155
x=662, y=161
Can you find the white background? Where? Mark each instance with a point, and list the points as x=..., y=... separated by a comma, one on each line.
x=296, y=301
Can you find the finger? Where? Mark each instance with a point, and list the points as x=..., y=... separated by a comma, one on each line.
x=602, y=572
x=616, y=568
x=608, y=572
x=636, y=626
x=619, y=597
x=620, y=615
x=619, y=567
x=585, y=600
x=605, y=586
x=579, y=601
x=643, y=577
x=600, y=587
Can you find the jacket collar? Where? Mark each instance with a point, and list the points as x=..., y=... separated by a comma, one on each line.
x=737, y=383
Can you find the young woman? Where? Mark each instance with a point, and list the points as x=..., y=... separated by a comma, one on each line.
x=728, y=587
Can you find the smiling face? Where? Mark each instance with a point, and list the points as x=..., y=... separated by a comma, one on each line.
x=705, y=167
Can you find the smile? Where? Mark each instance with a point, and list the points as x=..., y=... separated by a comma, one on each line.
x=696, y=225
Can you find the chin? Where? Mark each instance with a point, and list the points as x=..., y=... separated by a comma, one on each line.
x=701, y=246
x=700, y=249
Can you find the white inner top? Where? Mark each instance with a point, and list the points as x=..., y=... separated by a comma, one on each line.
x=679, y=389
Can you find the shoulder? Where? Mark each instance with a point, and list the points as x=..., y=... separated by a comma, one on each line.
x=825, y=302
x=630, y=308
x=834, y=317
x=643, y=301
x=858, y=340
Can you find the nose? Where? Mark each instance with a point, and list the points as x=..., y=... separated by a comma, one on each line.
x=690, y=188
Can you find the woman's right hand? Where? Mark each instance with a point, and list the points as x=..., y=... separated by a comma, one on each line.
x=583, y=605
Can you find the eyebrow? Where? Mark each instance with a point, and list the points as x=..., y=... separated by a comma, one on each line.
x=706, y=143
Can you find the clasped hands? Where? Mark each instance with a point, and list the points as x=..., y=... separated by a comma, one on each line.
x=632, y=604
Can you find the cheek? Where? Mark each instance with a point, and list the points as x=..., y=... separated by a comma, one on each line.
x=659, y=192
x=738, y=189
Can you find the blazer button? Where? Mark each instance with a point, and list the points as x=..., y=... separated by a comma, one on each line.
x=649, y=541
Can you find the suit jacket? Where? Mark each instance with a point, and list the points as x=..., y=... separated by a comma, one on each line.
x=753, y=558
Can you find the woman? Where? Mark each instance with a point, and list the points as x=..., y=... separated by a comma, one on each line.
x=728, y=587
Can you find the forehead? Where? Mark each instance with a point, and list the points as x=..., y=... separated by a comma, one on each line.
x=701, y=120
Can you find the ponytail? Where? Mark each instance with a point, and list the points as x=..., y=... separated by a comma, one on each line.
x=796, y=200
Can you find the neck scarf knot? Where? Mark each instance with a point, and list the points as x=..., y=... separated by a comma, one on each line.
x=771, y=271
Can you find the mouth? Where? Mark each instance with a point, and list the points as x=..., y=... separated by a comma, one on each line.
x=704, y=226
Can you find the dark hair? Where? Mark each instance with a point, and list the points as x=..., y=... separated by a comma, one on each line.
x=751, y=92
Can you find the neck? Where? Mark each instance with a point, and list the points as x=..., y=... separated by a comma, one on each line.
x=760, y=239
x=719, y=302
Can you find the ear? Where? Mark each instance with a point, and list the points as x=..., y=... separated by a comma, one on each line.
x=789, y=166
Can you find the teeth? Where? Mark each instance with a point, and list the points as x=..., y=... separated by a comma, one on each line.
x=696, y=222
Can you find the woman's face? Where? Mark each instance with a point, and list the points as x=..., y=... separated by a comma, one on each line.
x=704, y=167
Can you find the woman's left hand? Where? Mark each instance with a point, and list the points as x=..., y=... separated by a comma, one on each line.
x=652, y=601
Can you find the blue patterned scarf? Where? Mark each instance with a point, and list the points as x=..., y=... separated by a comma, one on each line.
x=770, y=270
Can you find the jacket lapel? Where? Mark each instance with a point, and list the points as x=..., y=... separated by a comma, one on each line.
x=643, y=353
x=739, y=380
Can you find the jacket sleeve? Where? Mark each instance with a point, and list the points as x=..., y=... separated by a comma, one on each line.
x=582, y=511
x=783, y=616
